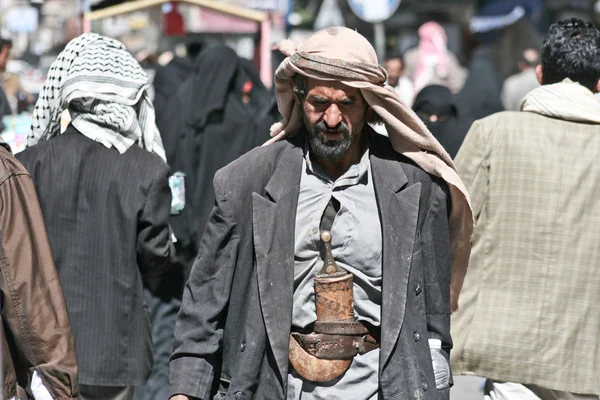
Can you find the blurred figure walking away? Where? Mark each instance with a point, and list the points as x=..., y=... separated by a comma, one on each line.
x=169, y=78
x=436, y=106
x=394, y=65
x=517, y=86
x=432, y=63
x=106, y=201
x=529, y=314
x=36, y=342
x=480, y=96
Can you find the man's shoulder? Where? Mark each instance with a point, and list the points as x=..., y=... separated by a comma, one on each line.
x=381, y=147
x=252, y=169
x=9, y=165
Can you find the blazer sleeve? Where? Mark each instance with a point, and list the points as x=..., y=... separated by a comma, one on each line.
x=154, y=245
x=199, y=328
x=34, y=309
x=435, y=239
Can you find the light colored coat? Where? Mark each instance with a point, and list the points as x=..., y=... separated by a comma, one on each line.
x=529, y=311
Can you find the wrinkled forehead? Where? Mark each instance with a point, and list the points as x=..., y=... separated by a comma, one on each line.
x=331, y=89
x=340, y=43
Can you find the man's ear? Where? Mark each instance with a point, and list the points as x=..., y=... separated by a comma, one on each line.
x=539, y=74
x=294, y=91
x=597, y=88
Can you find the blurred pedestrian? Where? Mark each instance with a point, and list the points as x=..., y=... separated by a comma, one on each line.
x=432, y=63
x=104, y=192
x=480, y=95
x=324, y=269
x=169, y=78
x=517, y=86
x=36, y=341
x=436, y=106
x=529, y=313
x=394, y=65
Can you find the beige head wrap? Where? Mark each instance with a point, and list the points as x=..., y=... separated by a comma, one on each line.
x=341, y=54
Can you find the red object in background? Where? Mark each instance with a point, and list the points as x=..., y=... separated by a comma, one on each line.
x=173, y=21
x=246, y=92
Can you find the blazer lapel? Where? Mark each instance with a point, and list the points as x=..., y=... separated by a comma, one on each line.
x=274, y=220
x=399, y=210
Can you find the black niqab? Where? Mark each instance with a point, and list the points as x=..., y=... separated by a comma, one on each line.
x=449, y=129
x=217, y=115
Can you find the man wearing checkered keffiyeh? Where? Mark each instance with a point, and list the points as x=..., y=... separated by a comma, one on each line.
x=103, y=186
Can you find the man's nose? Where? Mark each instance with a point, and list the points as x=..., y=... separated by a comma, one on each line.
x=333, y=116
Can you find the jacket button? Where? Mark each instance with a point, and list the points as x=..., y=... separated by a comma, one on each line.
x=416, y=336
x=239, y=396
x=418, y=289
x=243, y=346
x=424, y=386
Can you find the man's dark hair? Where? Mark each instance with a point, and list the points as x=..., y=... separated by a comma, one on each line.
x=394, y=56
x=5, y=43
x=571, y=49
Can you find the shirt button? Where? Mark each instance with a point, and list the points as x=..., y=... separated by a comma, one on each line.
x=243, y=346
x=423, y=385
x=416, y=336
x=315, y=231
x=239, y=396
x=418, y=289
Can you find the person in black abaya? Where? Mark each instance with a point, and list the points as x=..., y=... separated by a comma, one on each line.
x=219, y=112
x=436, y=106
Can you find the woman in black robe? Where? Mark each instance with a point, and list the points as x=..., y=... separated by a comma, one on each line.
x=437, y=108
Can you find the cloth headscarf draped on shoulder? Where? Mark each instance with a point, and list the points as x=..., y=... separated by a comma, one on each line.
x=341, y=54
x=105, y=90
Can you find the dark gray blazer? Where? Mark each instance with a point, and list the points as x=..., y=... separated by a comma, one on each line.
x=233, y=329
x=107, y=218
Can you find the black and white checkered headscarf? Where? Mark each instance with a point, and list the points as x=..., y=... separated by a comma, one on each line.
x=105, y=90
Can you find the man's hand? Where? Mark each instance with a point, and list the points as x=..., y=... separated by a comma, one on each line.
x=179, y=397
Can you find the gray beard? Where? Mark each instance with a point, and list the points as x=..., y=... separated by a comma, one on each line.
x=330, y=150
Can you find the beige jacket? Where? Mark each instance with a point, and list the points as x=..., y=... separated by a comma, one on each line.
x=35, y=333
x=529, y=311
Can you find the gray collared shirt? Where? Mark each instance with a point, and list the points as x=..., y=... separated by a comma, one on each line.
x=357, y=246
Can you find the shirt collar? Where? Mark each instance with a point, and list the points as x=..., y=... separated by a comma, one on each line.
x=355, y=173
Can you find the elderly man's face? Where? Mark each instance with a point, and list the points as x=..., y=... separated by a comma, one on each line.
x=334, y=116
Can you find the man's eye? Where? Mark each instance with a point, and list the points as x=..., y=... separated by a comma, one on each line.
x=348, y=102
x=319, y=102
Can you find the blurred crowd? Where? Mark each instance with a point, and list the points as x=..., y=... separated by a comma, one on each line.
x=124, y=229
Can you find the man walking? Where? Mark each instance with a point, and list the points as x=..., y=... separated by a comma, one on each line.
x=529, y=317
x=106, y=202
x=394, y=65
x=328, y=250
